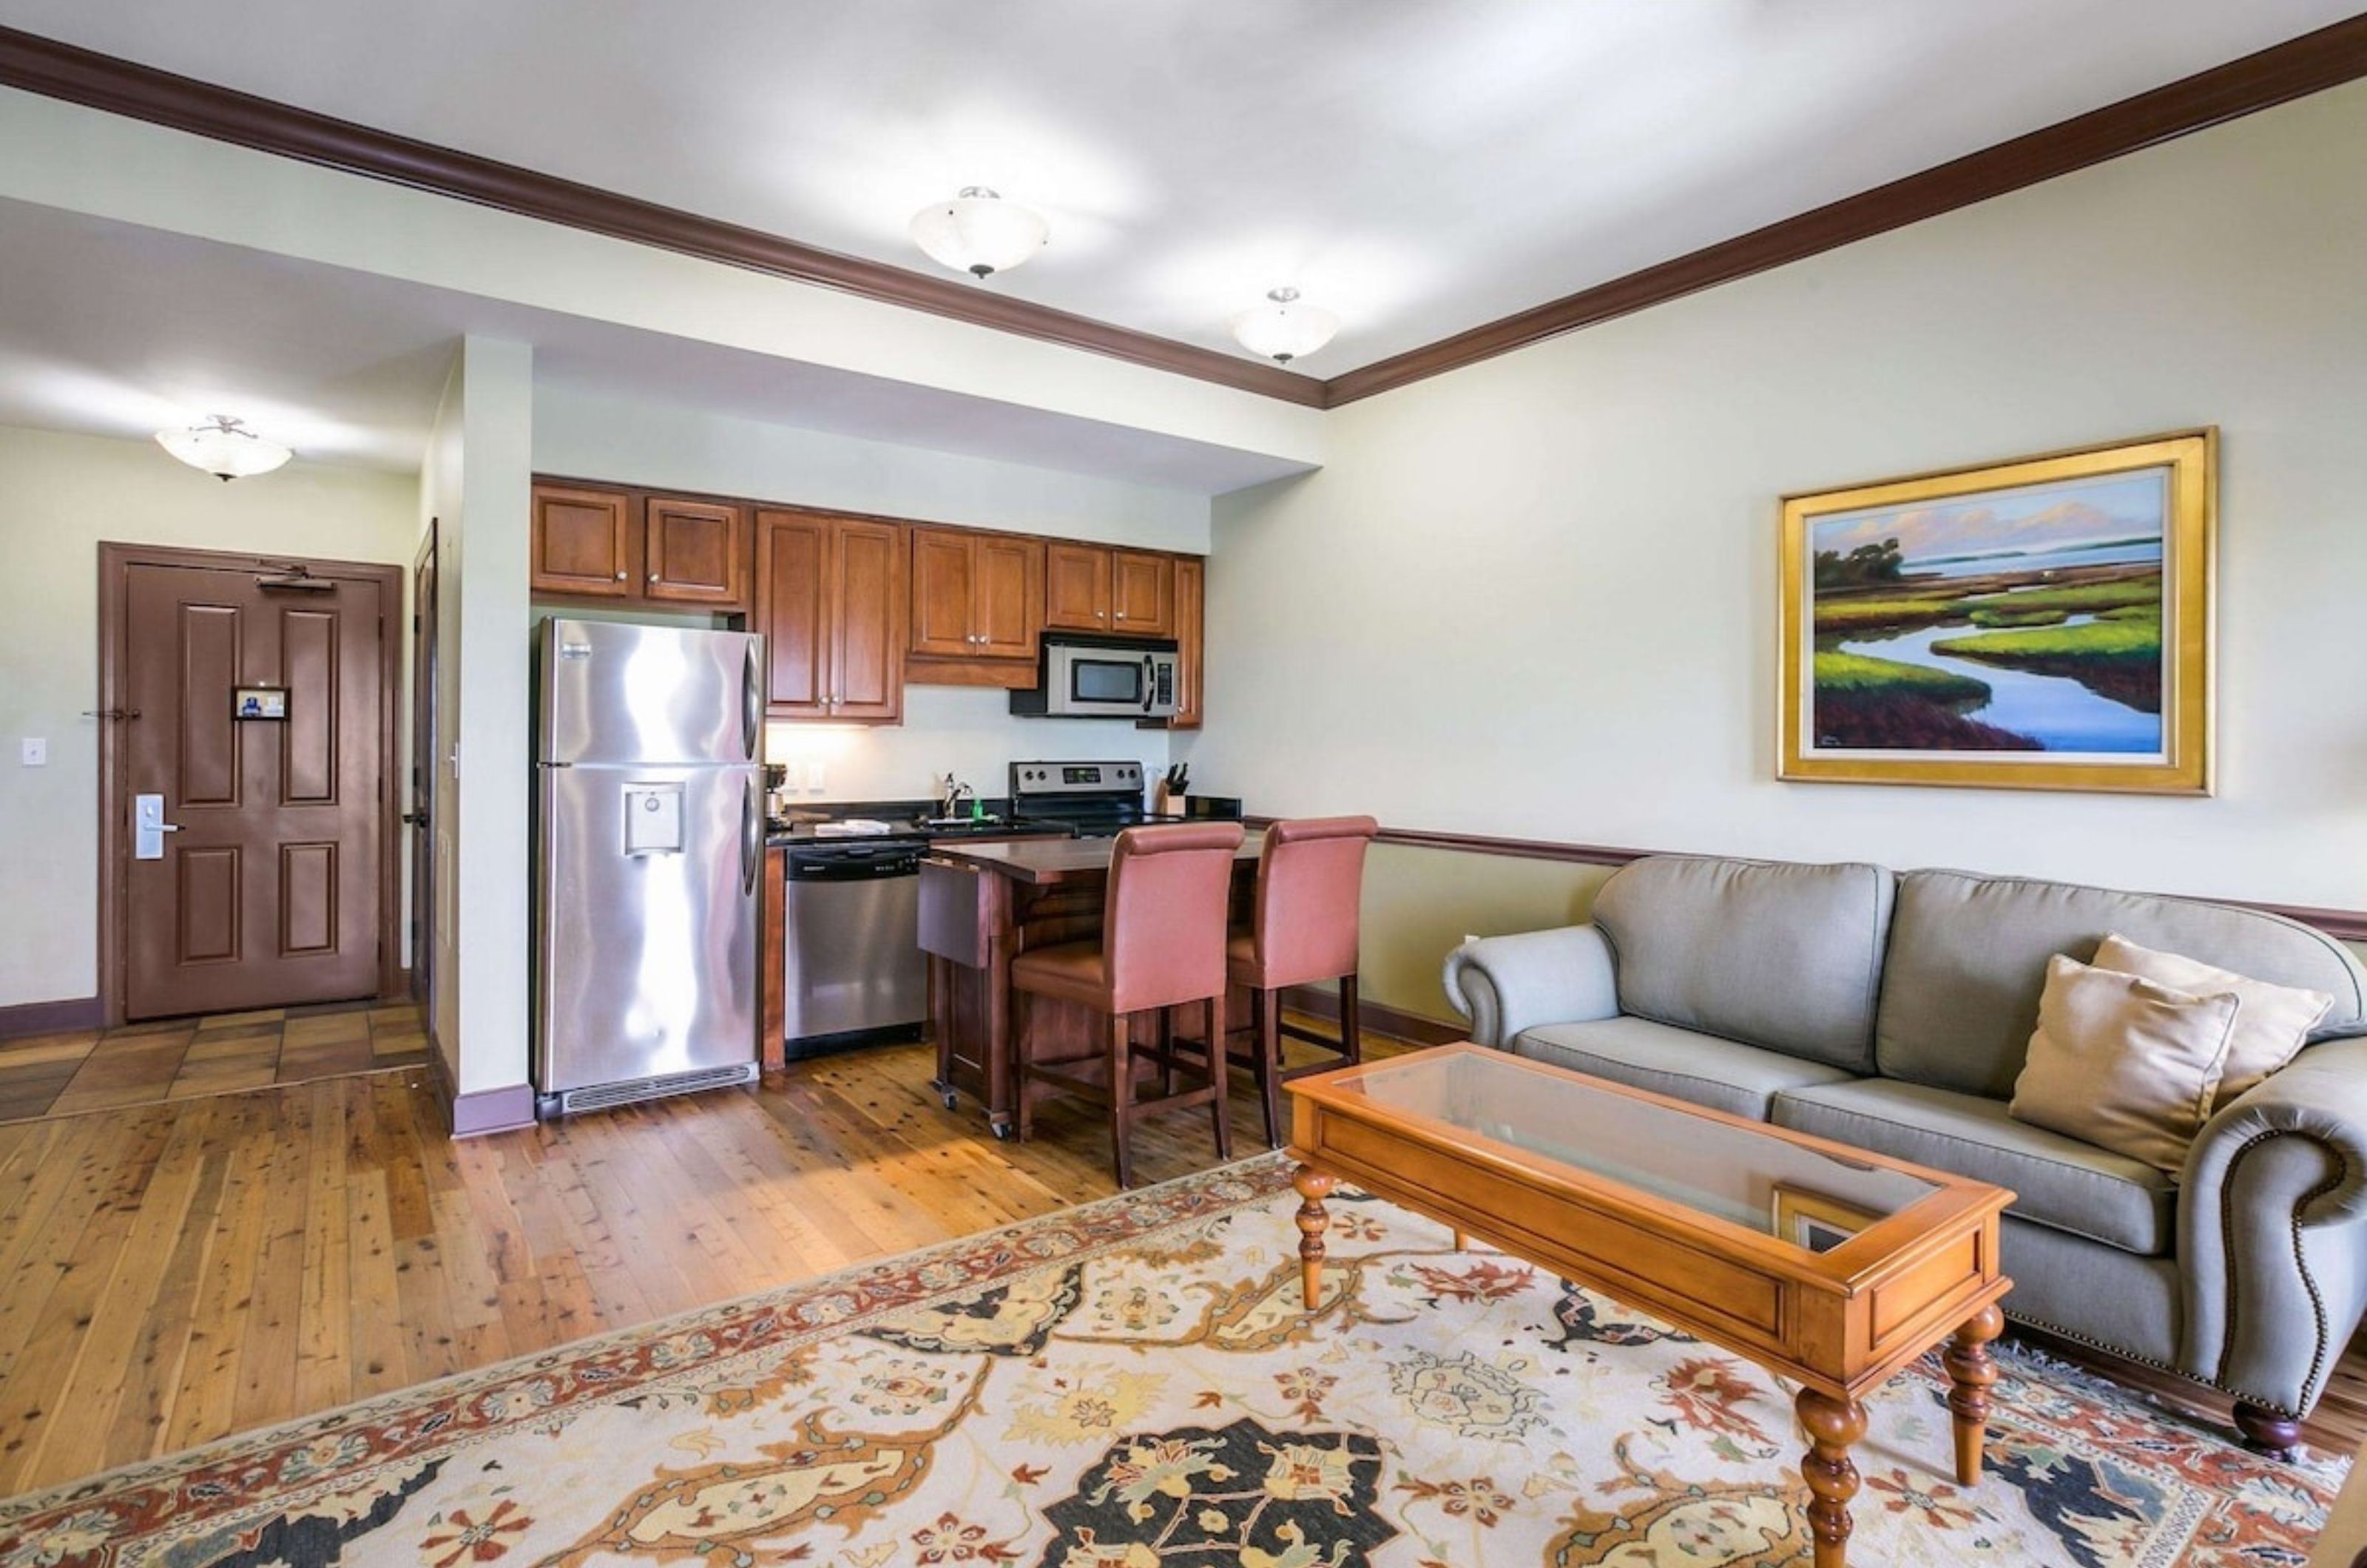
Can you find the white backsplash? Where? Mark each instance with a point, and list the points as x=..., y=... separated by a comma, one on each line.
x=965, y=731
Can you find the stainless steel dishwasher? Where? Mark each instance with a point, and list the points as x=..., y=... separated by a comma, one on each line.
x=851, y=947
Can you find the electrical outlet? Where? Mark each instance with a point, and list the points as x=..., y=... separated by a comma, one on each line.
x=35, y=752
x=817, y=776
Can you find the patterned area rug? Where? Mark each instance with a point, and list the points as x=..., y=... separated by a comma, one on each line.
x=1132, y=1384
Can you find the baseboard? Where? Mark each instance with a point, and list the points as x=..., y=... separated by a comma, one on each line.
x=51, y=1018
x=1375, y=1018
x=504, y=1109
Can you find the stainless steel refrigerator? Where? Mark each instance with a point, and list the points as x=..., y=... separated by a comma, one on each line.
x=649, y=829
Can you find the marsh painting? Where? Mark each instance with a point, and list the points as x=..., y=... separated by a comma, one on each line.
x=2029, y=613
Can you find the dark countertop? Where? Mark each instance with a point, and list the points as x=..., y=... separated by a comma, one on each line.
x=1038, y=861
x=802, y=835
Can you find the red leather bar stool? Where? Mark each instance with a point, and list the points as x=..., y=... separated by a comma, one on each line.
x=1162, y=946
x=1311, y=879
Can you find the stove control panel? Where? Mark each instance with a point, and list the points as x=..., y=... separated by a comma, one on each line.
x=1075, y=778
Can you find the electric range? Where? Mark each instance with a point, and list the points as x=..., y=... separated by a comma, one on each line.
x=1091, y=800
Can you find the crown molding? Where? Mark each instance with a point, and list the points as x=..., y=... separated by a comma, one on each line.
x=55, y=70
x=2329, y=57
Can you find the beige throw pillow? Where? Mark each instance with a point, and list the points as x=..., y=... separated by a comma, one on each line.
x=2276, y=1020
x=2123, y=1062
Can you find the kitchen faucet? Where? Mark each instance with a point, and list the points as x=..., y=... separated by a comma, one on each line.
x=949, y=806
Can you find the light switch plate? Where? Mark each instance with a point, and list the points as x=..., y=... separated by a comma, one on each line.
x=35, y=752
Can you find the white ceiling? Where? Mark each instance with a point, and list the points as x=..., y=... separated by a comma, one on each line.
x=109, y=329
x=1418, y=165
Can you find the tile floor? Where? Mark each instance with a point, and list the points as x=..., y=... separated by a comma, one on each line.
x=147, y=1063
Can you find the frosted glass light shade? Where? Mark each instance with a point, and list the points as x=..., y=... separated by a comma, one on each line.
x=1285, y=327
x=979, y=232
x=224, y=448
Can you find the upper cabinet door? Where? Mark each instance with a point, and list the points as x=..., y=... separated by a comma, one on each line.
x=1191, y=641
x=1142, y=593
x=1010, y=602
x=694, y=552
x=944, y=593
x=580, y=542
x=793, y=613
x=870, y=603
x=1076, y=587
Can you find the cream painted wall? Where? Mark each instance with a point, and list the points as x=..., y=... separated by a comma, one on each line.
x=63, y=495
x=969, y=732
x=475, y=482
x=1537, y=598
x=633, y=441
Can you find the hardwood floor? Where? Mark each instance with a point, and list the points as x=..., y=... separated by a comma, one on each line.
x=176, y=1272
x=173, y=1273
x=145, y=1064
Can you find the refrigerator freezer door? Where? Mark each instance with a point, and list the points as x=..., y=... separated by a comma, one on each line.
x=612, y=693
x=648, y=961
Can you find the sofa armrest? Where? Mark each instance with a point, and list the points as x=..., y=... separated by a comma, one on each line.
x=2272, y=1230
x=1507, y=984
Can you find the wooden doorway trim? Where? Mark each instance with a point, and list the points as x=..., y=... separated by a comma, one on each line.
x=426, y=593
x=115, y=563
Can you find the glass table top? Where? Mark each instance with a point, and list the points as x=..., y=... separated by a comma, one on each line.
x=1744, y=1175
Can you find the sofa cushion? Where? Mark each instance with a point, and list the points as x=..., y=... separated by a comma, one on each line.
x=1968, y=954
x=1785, y=956
x=1722, y=1073
x=2055, y=1180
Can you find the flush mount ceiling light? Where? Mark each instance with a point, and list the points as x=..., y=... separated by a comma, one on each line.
x=979, y=232
x=1285, y=327
x=224, y=448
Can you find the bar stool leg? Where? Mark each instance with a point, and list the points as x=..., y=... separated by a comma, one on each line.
x=1269, y=1062
x=1023, y=1016
x=1352, y=1026
x=1217, y=1073
x=1264, y=1011
x=1121, y=1076
x=1167, y=1050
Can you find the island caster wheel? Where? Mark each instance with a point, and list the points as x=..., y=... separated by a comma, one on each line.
x=1002, y=1132
x=950, y=1098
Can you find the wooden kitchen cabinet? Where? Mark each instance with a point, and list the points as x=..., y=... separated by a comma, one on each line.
x=1142, y=593
x=697, y=552
x=1090, y=588
x=831, y=605
x=1010, y=615
x=1076, y=587
x=589, y=542
x=976, y=595
x=1191, y=639
x=868, y=605
x=581, y=541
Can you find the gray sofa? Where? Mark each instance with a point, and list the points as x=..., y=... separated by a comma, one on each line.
x=1891, y=1011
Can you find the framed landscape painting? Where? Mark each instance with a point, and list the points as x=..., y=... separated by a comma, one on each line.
x=2044, y=623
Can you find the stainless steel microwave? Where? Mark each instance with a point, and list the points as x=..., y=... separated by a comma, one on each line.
x=1101, y=678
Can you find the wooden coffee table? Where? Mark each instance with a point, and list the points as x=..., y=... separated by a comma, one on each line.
x=1711, y=1221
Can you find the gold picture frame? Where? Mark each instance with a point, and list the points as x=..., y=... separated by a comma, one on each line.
x=2040, y=623
x=1813, y=1222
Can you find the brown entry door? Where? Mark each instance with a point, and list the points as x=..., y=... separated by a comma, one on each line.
x=266, y=892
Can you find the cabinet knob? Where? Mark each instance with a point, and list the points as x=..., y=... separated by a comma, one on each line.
x=1121, y=614
x=653, y=577
x=620, y=577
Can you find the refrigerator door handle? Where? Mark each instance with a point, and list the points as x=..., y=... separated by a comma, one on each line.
x=752, y=702
x=752, y=833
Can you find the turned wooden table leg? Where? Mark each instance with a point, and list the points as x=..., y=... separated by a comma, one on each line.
x=1313, y=1186
x=1462, y=1241
x=1970, y=1373
x=1833, y=1425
